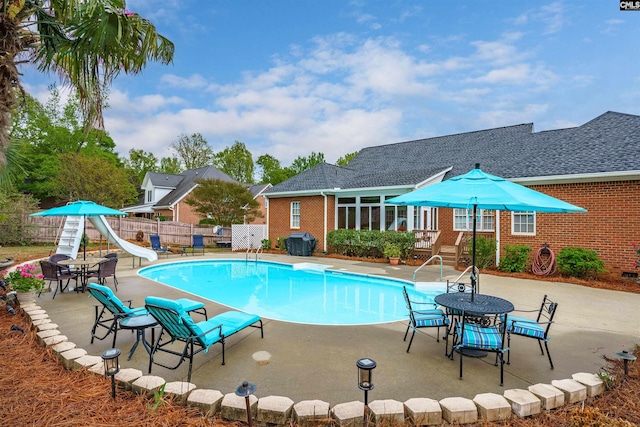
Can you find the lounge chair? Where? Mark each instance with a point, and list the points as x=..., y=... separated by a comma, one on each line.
x=113, y=310
x=156, y=246
x=198, y=243
x=177, y=325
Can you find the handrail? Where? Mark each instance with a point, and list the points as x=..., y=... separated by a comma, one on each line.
x=477, y=270
x=426, y=262
x=250, y=251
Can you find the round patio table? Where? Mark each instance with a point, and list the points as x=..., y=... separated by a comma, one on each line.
x=480, y=306
x=139, y=324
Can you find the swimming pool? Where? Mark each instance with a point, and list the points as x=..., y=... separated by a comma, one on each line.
x=299, y=293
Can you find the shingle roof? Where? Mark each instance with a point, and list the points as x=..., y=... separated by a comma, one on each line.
x=608, y=143
x=187, y=182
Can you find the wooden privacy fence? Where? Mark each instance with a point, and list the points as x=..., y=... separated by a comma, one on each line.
x=47, y=230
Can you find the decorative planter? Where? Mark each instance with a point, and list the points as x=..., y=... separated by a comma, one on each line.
x=26, y=297
x=394, y=261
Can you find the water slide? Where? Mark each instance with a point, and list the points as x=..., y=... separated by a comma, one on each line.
x=101, y=224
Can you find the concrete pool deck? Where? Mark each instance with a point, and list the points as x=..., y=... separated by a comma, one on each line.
x=318, y=362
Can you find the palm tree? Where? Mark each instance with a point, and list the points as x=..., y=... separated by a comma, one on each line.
x=88, y=43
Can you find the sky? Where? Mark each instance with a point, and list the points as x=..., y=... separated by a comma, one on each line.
x=288, y=78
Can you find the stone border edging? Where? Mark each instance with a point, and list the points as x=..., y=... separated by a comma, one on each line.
x=281, y=411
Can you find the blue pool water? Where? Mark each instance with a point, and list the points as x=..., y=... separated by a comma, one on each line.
x=302, y=293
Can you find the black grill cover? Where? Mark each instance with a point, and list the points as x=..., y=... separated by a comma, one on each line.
x=300, y=244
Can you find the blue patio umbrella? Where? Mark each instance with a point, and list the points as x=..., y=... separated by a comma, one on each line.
x=477, y=189
x=83, y=208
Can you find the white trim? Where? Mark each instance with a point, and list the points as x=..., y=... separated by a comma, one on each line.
x=578, y=178
x=433, y=179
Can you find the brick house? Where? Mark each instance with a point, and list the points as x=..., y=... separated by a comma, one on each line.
x=165, y=194
x=595, y=166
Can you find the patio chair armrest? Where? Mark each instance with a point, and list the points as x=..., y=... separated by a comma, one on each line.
x=128, y=301
x=525, y=311
x=424, y=303
x=219, y=326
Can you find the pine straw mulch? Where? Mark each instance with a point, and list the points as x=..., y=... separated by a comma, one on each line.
x=35, y=390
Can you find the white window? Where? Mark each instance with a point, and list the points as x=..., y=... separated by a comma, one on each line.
x=295, y=215
x=149, y=196
x=463, y=220
x=523, y=223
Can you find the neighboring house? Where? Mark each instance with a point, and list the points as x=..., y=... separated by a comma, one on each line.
x=595, y=166
x=165, y=194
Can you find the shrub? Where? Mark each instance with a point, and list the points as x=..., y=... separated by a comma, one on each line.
x=281, y=243
x=515, y=258
x=485, y=251
x=579, y=262
x=266, y=243
x=369, y=243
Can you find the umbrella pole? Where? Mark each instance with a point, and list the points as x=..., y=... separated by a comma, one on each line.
x=473, y=256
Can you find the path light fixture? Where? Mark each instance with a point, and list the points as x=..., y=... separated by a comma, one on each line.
x=111, y=367
x=245, y=390
x=365, y=366
x=626, y=357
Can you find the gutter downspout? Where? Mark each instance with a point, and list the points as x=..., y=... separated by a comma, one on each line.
x=324, y=231
x=498, y=214
x=266, y=209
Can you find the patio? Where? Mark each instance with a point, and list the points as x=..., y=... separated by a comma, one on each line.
x=318, y=362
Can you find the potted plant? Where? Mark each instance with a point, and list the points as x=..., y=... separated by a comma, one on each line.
x=393, y=252
x=24, y=281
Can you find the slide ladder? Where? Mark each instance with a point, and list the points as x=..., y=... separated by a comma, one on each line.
x=71, y=236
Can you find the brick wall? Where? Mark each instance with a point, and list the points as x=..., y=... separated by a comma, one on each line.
x=311, y=217
x=610, y=226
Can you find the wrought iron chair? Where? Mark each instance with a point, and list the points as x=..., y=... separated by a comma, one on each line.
x=537, y=328
x=423, y=318
x=479, y=333
x=178, y=326
x=198, y=243
x=156, y=246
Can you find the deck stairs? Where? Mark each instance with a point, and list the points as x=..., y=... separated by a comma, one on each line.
x=448, y=254
x=71, y=236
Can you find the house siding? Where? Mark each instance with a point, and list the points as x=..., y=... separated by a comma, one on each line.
x=311, y=217
x=609, y=227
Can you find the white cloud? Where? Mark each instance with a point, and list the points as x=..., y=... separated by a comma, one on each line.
x=195, y=81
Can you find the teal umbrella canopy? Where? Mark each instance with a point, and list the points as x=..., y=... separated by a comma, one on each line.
x=477, y=189
x=83, y=208
x=484, y=191
x=80, y=208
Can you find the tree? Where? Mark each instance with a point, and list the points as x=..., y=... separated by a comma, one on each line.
x=236, y=162
x=84, y=177
x=170, y=165
x=223, y=202
x=272, y=172
x=42, y=133
x=344, y=161
x=86, y=42
x=301, y=164
x=139, y=163
x=193, y=151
